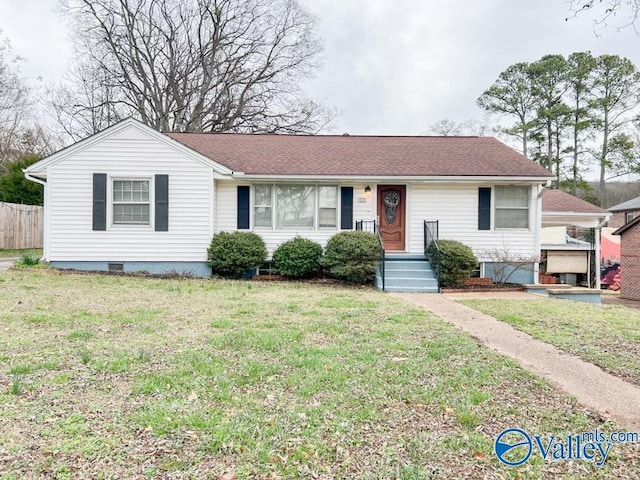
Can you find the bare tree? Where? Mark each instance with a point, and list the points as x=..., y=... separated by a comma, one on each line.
x=446, y=128
x=191, y=65
x=15, y=101
x=472, y=127
x=620, y=13
x=506, y=263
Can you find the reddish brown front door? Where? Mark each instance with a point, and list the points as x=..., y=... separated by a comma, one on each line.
x=391, y=209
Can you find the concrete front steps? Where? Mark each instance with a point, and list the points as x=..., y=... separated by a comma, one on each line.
x=407, y=273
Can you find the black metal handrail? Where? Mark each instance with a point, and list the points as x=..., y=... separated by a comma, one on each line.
x=431, y=235
x=372, y=226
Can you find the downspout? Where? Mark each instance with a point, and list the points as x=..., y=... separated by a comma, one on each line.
x=596, y=234
x=30, y=177
x=538, y=246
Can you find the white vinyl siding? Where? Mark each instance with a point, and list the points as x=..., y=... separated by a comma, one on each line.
x=455, y=206
x=130, y=153
x=226, y=217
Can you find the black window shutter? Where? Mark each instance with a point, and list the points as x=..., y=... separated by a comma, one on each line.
x=346, y=211
x=99, y=201
x=484, y=208
x=243, y=207
x=162, y=203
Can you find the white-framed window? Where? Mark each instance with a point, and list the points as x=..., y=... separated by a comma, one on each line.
x=327, y=206
x=295, y=206
x=130, y=201
x=512, y=206
x=629, y=216
x=263, y=210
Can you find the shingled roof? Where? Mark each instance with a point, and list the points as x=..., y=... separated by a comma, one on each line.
x=346, y=155
x=633, y=204
x=559, y=201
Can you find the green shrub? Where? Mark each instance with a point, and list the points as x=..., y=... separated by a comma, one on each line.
x=352, y=256
x=27, y=260
x=232, y=254
x=298, y=258
x=457, y=261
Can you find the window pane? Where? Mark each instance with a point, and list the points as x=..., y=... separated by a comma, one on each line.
x=262, y=217
x=126, y=191
x=328, y=197
x=131, y=214
x=145, y=191
x=295, y=206
x=131, y=191
x=512, y=197
x=512, y=218
x=327, y=217
x=263, y=196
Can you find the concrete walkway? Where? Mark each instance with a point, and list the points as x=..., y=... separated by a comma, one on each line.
x=594, y=388
x=6, y=263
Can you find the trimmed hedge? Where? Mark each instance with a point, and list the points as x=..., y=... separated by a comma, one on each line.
x=232, y=254
x=352, y=256
x=457, y=261
x=298, y=258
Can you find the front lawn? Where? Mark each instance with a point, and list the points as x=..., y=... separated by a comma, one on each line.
x=10, y=253
x=117, y=377
x=608, y=336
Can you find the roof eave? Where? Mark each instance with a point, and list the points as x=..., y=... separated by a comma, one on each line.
x=575, y=214
x=627, y=226
x=397, y=178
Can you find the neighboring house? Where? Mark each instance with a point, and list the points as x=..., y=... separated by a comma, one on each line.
x=624, y=212
x=570, y=238
x=630, y=259
x=132, y=198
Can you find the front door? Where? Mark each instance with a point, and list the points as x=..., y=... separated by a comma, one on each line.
x=391, y=210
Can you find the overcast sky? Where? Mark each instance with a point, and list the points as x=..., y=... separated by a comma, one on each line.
x=390, y=66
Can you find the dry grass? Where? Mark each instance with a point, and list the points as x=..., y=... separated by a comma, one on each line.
x=115, y=377
x=8, y=253
x=608, y=336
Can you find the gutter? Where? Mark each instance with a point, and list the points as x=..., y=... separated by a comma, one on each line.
x=28, y=176
x=538, y=239
x=601, y=224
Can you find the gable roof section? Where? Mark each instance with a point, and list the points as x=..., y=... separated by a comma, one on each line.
x=633, y=204
x=559, y=201
x=345, y=155
x=627, y=226
x=39, y=168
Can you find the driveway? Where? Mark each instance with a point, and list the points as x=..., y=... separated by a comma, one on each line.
x=5, y=263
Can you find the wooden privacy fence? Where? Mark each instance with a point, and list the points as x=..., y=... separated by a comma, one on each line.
x=21, y=226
